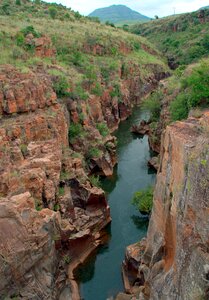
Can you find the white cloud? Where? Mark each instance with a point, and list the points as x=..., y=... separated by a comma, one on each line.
x=148, y=7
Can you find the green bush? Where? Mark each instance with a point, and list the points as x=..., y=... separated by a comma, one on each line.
x=116, y=91
x=53, y=12
x=103, y=129
x=179, y=108
x=61, y=85
x=30, y=29
x=97, y=89
x=143, y=200
x=95, y=181
x=75, y=130
x=194, y=92
x=153, y=105
x=20, y=40
x=93, y=152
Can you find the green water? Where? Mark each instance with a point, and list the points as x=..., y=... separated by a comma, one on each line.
x=100, y=277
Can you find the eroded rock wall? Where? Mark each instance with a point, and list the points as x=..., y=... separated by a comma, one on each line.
x=174, y=263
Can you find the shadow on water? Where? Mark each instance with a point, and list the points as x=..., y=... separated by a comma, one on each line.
x=100, y=277
x=140, y=222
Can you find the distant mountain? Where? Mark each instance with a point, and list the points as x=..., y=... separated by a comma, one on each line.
x=118, y=14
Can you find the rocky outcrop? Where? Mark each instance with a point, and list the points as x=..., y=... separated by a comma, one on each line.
x=42, y=45
x=175, y=262
x=47, y=201
x=45, y=169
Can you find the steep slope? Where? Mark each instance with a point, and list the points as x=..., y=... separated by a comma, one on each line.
x=118, y=14
x=65, y=84
x=182, y=38
x=173, y=262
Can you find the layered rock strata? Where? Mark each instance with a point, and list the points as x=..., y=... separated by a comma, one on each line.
x=173, y=262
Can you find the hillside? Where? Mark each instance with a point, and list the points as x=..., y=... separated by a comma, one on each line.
x=182, y=38
x=118, y=15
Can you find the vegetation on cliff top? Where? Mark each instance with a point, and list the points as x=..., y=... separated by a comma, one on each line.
x=182, y=38
x=81, y=56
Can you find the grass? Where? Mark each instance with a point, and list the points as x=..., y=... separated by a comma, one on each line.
x=181, y=37
x=193, y=91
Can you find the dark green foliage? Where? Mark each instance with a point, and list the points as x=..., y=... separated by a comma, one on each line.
x=30, y=29
x=75, y=131
x=77, y=15
x=5, y=8
x=93, y=152
x=181, y=37
x=95, y=181
x=97, y=89
x=61, y=86
x=109, y=24
x=18, y=2
x=143, y=200
x=20, y=40
x=179, y=108
x=53, y=12
x=153, y=105
x=103, y=129
x=194, y=92
x=116, y=92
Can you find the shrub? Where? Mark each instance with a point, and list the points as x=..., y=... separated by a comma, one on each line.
x=95, y=181
x=194, y=92
x=194, y=53
x=93, y=153
x=67, y=259
x=61, y=85
x=116, y=92
x=52, y=12
x=61, y=191
x=103, y=129
x=97, y=89
x=30, y=29
x=75, y=130
x=79, y=92
x=143, y=200
x=153, y=105
x=20, y=40
x=77, y=15
x=179, y=108
x=18, y=2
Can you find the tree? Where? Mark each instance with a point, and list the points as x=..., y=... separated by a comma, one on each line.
x=156, y=17
x=18, y=2
x=53, y=12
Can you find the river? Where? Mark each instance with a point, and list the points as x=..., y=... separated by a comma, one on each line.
x=100, y=277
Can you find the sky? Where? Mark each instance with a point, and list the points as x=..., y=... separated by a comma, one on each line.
x=149, y=8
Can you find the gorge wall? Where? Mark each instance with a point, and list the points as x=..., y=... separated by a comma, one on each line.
x=172, y=263
x=52, y=215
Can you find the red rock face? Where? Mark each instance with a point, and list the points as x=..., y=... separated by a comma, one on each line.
x=43, y=45
x=175, y=261
x=35, y=165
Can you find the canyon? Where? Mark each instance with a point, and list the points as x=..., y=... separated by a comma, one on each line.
x=51, y=215
x=66, y=85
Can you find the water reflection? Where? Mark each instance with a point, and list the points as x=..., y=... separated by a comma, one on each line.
x=100, y=277
x=141, y=222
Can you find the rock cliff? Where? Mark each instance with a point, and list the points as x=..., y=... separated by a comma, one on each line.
x=173, y=262
x=52, y=215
